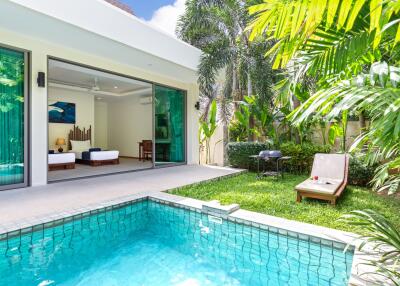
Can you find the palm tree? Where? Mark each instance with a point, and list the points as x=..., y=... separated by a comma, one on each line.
x=339, y=42
x=218, y=28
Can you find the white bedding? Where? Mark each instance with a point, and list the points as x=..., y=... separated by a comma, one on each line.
x=99, y=155
x=104, y=155
x=78, y=155
x=61, y=158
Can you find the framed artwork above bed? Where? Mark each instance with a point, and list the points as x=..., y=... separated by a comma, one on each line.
x=62, y=112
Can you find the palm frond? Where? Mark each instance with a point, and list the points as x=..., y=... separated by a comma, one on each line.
x=293, y=23
x=385, y=239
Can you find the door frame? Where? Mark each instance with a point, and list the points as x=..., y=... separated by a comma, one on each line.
x=27, y=114
x=185, y=126
x=154, y=84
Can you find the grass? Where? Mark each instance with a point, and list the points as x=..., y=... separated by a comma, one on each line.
x=276, y=197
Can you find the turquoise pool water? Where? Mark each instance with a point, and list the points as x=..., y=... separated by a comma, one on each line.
x=147, y=243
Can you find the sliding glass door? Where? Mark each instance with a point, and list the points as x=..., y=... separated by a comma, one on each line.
x=169, y=129
x=12, y=118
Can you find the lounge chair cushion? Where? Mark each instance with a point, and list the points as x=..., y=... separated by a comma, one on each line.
x=326, y=189
x=330, y=166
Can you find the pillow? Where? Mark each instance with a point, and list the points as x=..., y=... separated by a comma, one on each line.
x=80, y=146
x=51, y=152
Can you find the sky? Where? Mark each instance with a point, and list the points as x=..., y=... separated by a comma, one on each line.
x=162, y=14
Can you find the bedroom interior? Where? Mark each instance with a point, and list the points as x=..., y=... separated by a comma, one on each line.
x=99, y=123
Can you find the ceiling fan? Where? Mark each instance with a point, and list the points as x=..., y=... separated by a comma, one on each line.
x=96, y=86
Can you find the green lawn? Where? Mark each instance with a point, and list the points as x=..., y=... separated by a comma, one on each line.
x=276, y=197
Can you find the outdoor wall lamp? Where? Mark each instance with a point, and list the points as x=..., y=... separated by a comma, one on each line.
x=197, y=105
x=41, y=79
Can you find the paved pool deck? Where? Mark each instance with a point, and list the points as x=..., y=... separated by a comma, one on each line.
x=28, y=203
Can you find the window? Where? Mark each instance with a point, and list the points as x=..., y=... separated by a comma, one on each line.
x=12, y=118
x=169, y=126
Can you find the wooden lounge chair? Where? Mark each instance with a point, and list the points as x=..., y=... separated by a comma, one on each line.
x=332, y=171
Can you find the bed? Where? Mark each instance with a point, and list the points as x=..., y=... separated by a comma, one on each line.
x=61, y=161
x=80, y=144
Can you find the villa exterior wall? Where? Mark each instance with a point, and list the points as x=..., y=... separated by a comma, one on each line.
x=40, y=51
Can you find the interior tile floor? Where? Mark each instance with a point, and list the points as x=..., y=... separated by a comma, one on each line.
x=81, y=170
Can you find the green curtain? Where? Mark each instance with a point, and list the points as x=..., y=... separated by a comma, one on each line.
x=170, y=125
x=11, y=117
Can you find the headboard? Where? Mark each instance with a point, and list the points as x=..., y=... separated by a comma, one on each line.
x=77, y=134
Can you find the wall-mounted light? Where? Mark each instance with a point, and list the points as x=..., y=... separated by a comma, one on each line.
x=197, y=105
x=41, y=79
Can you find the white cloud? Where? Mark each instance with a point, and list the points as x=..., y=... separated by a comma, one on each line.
x=166, y=17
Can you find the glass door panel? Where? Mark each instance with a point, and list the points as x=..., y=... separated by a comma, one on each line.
x=12, y=117
x=169, y=126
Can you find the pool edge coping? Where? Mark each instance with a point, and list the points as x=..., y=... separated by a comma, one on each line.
x=318, y=234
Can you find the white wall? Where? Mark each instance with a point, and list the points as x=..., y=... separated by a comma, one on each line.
x=129, y=122
x=40, y=51
x=101, y=124
x=84, y=113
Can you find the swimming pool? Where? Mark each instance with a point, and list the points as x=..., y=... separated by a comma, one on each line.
x=149, y=243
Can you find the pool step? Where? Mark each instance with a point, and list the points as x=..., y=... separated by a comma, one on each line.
x=216, y=209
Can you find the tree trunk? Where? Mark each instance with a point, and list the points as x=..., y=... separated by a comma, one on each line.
x=296, y=104
x=252, y=123
x=363, y=128
x=361, y=121
x=235, y=88
x=225, y=141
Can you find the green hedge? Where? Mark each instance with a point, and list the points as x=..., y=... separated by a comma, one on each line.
x=239, y=152
x=302, y=155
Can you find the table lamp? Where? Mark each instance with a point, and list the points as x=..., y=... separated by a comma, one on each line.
x=60, y=142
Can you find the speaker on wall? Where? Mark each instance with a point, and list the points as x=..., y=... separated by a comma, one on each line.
x=197, y=105
x=41, y=79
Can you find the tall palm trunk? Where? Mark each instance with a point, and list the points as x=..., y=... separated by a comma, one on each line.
x=362, y=122
x=296, y=104
x=235, y=87
x=225, y=140
x=252, y=123
x=363, y=127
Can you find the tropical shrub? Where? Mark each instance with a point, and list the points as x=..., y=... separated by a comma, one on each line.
x=384, y=237
x=239, y=128
x=237, y=131
x=239, y=153
x=360, y=174
x=302, y=155
x=263, y=119
x=207, y=130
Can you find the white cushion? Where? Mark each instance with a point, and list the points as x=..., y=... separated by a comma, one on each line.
x=319, y=188
x=329, y=166
x=61, y=158
x=104, y=155
x=80, y=146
